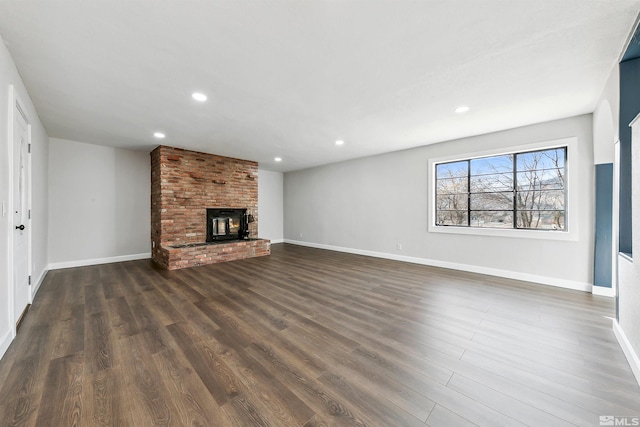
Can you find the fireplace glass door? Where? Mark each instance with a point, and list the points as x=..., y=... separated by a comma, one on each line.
x=234, y=225
x=220, y=226
x=226, y=224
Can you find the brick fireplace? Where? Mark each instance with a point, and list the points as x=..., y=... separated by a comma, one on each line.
x=184, y=184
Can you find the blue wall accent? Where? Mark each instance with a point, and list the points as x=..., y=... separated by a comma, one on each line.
x=629, y=109
x=633, y=49
x=602, y=265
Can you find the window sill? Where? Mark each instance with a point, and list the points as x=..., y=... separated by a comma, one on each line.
x=626, y=256
x=512, y=233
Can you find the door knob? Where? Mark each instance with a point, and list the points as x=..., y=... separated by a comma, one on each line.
x=20, y=227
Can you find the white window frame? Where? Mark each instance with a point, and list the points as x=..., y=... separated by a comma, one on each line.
x=571, y=217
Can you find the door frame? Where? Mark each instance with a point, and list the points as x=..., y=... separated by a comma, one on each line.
x=615, y=222
x=16, y=106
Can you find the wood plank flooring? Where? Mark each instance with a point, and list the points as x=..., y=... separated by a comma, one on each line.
x=308, y=337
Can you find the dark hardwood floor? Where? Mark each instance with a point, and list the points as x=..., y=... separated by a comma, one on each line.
x=308, y=337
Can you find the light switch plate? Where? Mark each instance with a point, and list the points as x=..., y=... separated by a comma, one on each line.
x=4, y=208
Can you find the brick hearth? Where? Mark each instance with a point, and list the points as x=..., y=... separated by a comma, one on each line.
x=183, y=185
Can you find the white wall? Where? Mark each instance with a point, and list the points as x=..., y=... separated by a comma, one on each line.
x=628, y=327
x=39, y=170
x=370, y=205
x=99, y=204
x=270, y=206
x=605, y=119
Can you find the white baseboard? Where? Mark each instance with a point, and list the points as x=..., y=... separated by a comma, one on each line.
x=96, y=261
x=5, y=342
x=627, y=348
x=603, y=292
x=277, y=240
x=37, y=283
x=544, y=280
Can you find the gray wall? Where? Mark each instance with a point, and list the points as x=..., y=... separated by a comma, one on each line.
x=270, y=205
x=373, y=204
x=99, y=203
x=39, y=205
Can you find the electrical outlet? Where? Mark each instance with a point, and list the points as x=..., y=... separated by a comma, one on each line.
x=399, y=246
x=301, y=235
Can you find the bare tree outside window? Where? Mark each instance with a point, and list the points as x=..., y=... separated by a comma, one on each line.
x=519, y=190
x=452, y=190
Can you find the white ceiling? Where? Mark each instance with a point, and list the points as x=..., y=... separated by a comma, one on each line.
x=288, y=78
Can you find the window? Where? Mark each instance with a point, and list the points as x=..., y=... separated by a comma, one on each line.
x=520, y=190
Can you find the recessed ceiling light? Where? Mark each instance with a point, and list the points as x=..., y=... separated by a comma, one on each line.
x=339, y=142
x=199, y=96
x=462, y=109
x=278, y=159
x=159, y=135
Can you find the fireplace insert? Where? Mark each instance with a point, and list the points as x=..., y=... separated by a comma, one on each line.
x=227, y=224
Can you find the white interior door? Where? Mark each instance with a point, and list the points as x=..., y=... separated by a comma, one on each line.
x=20, y=214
